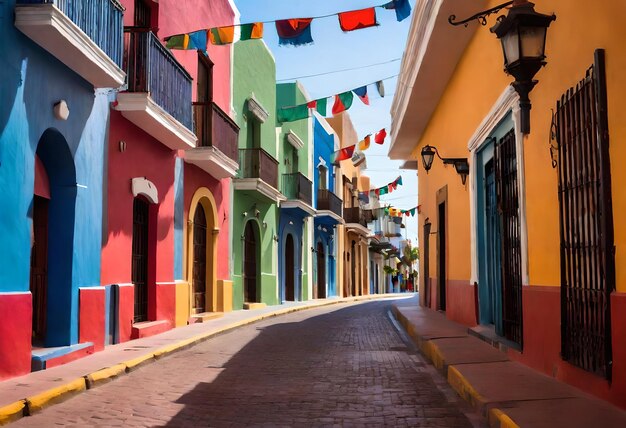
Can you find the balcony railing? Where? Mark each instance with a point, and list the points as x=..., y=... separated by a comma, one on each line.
x=153, y=69
x=101, y=20
x=257, y=163
x=215, y=128
x=297, y=186
x=327, y=200
x=354, y=215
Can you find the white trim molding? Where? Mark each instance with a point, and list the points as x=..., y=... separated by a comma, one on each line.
x=294, y=140
x=143, y=186
x=507, y=103
x=213, y=161
x=257, y=110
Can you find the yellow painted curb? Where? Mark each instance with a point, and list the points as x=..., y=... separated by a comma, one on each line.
x=499, y=419
x=105, y=375
x=136, y=362
x=54, y=395
x=12, y=412
x=464, y=388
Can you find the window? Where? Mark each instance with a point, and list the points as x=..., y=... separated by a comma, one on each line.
x=323, y=177
x=254, y=133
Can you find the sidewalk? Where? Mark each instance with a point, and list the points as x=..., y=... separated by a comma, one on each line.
x=509, y=394
x=27, y=394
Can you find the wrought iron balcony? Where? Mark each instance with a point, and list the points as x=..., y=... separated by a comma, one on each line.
x=257, y=163
x=152, y=69
x=327, y=200
x=297, y=186
x=354, y=215
x=86, y=35
x=214, y=128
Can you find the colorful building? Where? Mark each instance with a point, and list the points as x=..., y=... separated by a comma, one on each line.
x=329, y=209
x=256, y=189
x=295, y=153
x=167, y=219
x=354, y=233
x=53, y=119
x=526, y=251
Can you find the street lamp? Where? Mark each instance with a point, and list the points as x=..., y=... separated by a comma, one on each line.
x=461, y=165
x=523, y=36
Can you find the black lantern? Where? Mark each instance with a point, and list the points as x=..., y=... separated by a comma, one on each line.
x=461, y=165
x=523, y=36
x=428, y=155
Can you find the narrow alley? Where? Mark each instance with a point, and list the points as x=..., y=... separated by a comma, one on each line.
x=338, y=365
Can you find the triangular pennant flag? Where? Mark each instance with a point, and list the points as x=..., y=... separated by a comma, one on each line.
x=342, y=102
x=379, y=138
x=322, y=106
x=342, y=154
x=357, y=19
x=179, y=41
x=364, y=144
x=222, y=35
x=399, y=181
x=251, y=31
x=198, y=40
x=362, y=94
x=380, y=87
x=312, y=104
x=402, y=8
x=291, y=114
x=295, y=32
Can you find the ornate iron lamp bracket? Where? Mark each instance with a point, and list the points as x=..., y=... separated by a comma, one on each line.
x=480, y=16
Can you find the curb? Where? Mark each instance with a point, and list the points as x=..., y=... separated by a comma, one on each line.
x=498, y=419
x=37, y=402
x=495, y=417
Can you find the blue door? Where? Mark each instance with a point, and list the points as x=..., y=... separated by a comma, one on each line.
x=493, y=306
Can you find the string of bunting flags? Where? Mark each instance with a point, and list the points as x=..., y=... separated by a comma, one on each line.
x=341, y=103
x=291, y=32
x=349, y=152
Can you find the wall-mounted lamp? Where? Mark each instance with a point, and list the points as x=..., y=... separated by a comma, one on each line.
x=244, y=214
x=523, y=36
x=461, y=165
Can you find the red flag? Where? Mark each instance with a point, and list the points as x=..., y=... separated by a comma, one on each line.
x=380, y=136
x=357, y=19
x=312, y=104
x=343, y=154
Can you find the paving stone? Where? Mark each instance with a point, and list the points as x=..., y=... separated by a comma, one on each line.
x=334, y=366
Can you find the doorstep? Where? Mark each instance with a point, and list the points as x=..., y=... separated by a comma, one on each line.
x=204, y=317
x=46, y=358
x=149, y=328
x=251, y=306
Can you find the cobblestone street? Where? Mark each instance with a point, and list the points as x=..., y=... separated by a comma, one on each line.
x=337, y=366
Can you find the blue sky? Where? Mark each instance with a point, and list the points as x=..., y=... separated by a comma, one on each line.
x=334, y=50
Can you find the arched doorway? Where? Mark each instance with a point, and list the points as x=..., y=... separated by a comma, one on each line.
x=321, y=271
x=199, y=260
x=250, y=264
x=141, y=223
x=53, y=214
x=290, y=267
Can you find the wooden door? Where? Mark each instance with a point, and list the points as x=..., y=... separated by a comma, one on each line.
x=39, y=268
x=441, y=274
x=321, y=271
x=199, y=260
x=249, y=264
x=289, y=269
x=140, y=259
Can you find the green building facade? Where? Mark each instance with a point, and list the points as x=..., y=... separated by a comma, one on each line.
x=256, y=188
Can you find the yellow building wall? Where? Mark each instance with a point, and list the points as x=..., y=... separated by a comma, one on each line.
x=479, y=80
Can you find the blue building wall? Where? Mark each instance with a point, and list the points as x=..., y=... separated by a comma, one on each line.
x=296, y=228
x=323, y=148
x=32, y=81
